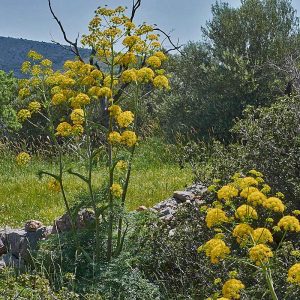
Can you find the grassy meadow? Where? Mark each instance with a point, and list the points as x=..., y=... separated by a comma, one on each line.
x=24, y=196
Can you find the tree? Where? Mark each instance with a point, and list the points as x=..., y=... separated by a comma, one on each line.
x=8, y=92
x=216, y=79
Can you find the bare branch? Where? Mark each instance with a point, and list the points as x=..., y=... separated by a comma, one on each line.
x=176, y=47
x=135, y=6
x=73, y=45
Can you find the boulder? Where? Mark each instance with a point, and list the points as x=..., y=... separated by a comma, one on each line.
x=33, y=225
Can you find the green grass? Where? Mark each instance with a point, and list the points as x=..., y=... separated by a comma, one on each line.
x=24, y=196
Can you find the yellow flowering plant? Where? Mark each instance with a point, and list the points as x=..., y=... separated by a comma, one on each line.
x=254, y=230
x=125, y=58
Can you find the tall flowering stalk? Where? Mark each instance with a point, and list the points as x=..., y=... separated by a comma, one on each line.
x=126, y=59
x=246, y=214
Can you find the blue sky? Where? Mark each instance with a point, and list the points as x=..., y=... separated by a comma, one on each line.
x=31, y=19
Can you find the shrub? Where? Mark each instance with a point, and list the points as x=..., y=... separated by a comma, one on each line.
x=267, y=139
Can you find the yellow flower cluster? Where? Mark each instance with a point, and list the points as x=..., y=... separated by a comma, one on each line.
x=154, y=61
x=116, y=190
x=242, y=232
x=53, y=185
x=215, y=216
x=227, y=192
x=245, y=193
x=124, y=119
x=34, y=106
x=216, y=249
x=262, y=236
x=77, y=116
x=114, y=110
x=260, y=254
x=161, y=82
x=64, y=129
x=289, y=223
x=246, y=182
x=274, y=204
x=246, y=212
x=129, y=76
x=294, y=274
x=127, y=138
x=23, y=158
x=256, y=198
x=23, y=115
x=231, y=289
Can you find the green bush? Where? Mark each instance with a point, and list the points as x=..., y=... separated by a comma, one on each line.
x=268, y=139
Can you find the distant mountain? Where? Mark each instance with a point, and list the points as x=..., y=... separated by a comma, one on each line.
x=13, y=52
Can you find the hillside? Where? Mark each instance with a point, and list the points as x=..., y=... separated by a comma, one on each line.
x=14, y=51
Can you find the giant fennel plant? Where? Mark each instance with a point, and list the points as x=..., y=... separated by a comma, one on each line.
x=126, y=64
x=244, y=221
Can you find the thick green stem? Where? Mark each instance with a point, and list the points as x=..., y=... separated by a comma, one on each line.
x=120, y=223
x=269, y=280
x=111, y=171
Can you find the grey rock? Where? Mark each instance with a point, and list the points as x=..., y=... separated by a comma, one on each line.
x=3, y=249
x=2, y=264
x=183, y=195
x=142, y=208
x=167, y=211
x=12, y=261
x=172, y=232
x=33, y=225
x=85, y=217
x=16, y=242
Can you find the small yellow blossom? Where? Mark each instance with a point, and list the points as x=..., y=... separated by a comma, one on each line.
x=245, y=211
x=23, y=158
x=34, y=55
x=247, y=191
x=24, y=92
x=160, y=55
x=289, y=223
x=34, y=106
x=128, y=138
x=215, y=216
x=231, y=289
x=274, y=204
x=116, y=190
x=227, y=192
x=242, y=232
x=256, y=198
x=246, y=182
x=294, y=274
x=161, y=82
x=77, y=116
x=114, y=110
x=262, y=236
x=216, y=249
x=23, y=115
x=124, y=119
x=129, y=76
x=145, y=75
x=58, y=99
x=114, y=137
x=260, y=254
x=64, y=129
x=54, y=185
x=154, y=61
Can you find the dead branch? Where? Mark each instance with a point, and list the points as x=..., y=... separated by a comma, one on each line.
x=73, y=45
x=176, y=47
x=135, y=6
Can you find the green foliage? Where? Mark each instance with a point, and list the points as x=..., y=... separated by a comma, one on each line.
x=8, y=92
x=267, y=139
x=213, y=81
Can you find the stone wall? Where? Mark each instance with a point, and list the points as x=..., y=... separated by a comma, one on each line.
x=17, y=244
